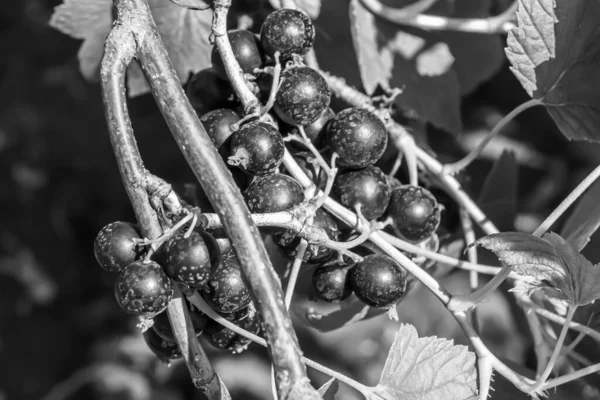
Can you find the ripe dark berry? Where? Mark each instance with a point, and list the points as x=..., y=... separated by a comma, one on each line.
x=367, y=187
x=331, y=281
x=143, y=289
x=246, y=49
x=257, y=148
x=163, y=349
x=378, y=281
x=302, y=96
x=314, y=252
x=273, y=193
x=358, y=136
x=226, y=290
x=114, y=246
x=225, y=338
x=218, y=124
x=190, y=260
x=163, y=328
x=415, y=212
x=207, y=91
x=288, y=32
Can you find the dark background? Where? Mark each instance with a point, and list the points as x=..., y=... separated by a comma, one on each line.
x=59, y=185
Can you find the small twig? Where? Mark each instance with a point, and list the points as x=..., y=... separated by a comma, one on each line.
x=289, y=291
x=469, y=235
x=274, y=86
x=492, y=25
x=232, y=68
x=458, y=166
x=311, y=147
x=566, y=203
x=571, y=377
x=541, y=380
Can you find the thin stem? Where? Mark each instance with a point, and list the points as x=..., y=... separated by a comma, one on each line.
x=232, y=68
x=197, y=301
x=274, y=86
x=576, y=326
x=571, y=377
x=462, y=303
x=311, y=147
x=223, y=193
x=571, y=347
x=566, y=203
x=469, y=235
x=458, y=166
x=441, y=258
x=561, y=338
x=203, y=376
x=289, y=290
x=492, y=25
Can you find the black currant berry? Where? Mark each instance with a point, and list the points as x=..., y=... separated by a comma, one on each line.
x=163, y=328
x=257, y=148
x=415, y=212
x=225, y=338
x=367, y=187
x=273, y=193
x=331, y=281
x=246, y=49
x=114, y=246
x=314, y=252
x=207, y=91
x=287, y=32
x=218, y=124
x=143, y=289
x=165, y=350
x=358, y=136
x=226, y=290
x=190, y=260
x=302, y=96
x=378, y=281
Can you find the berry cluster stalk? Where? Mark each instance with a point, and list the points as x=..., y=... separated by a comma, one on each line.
x=135, y=33
x=119, y=51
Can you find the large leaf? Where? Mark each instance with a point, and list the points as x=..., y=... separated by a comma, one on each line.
x=585, y=218
x=550, y=264
x=498, y=197
x=427, y=369
x=184, y=33
x=555, y=54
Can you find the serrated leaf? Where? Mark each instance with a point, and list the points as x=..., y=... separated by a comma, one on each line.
x=411, y=59
x=329, y=389
x=585, y=218
x=550, y=264
x=184, y=33
x=427, y=368
x=555, y=54
x=498, y=197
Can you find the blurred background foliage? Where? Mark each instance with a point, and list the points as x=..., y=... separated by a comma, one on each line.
x=61, y=333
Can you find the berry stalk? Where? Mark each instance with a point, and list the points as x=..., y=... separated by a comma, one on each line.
x=120, y=50
x=224, y=195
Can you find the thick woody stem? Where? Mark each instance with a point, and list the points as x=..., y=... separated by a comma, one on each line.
x=225, y=197
x=119, y=51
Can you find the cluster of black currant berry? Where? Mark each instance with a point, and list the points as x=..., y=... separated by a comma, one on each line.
x=193, y=258
x=254, y=150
